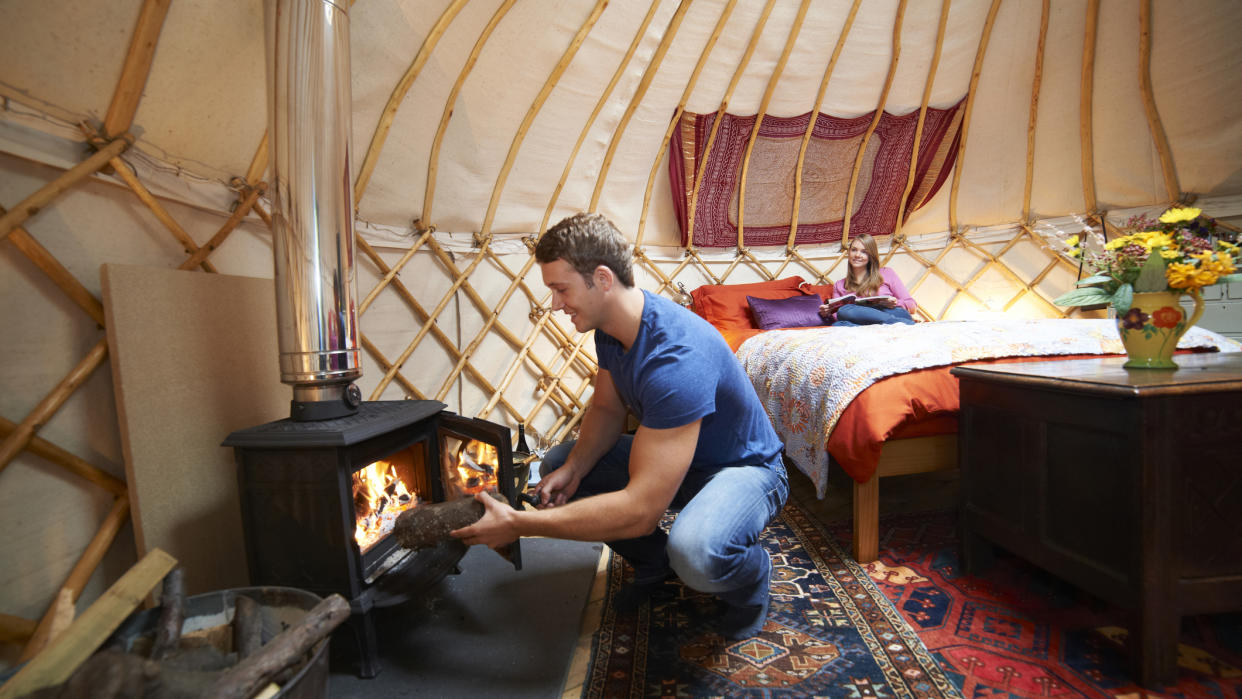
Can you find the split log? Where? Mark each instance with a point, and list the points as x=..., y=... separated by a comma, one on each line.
x=426, y=526
x=172, y=615
x=247, y=627
x=252, y=674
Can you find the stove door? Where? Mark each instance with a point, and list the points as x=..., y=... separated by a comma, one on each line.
x=477, y=455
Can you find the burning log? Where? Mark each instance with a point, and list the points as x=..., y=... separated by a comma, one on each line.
x=172, y=615
x=427, y=525
x=253, y=673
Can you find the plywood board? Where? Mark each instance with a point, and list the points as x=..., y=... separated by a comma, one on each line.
x=194, y=357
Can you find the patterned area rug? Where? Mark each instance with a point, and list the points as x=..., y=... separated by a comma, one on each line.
x=1017, y=631
x=831, y=632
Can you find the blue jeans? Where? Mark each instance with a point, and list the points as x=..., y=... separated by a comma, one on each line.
x=713, y=545
x=858, y=314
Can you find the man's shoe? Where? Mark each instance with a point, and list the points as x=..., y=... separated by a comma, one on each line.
x=632, y=596
x=738, y=623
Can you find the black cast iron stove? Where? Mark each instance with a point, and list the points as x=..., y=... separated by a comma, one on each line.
x=319, y=500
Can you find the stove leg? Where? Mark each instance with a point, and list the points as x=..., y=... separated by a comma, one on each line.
x=363, y=628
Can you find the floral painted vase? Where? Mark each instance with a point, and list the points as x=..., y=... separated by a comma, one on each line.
x=1153, y=325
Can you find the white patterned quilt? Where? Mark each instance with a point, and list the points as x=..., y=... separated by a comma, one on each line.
x=807, y=377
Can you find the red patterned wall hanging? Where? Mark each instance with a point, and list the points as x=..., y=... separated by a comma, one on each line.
x=826, y=174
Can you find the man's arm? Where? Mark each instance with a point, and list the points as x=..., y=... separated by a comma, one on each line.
x=601, y=427
x=659, y=460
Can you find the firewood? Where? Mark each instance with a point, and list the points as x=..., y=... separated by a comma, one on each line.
x=253, y=673
x=54, y=664
x=247, y=626
x=426, y=526
x=172, y=615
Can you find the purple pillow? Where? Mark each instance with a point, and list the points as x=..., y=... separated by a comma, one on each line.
x=793, y=312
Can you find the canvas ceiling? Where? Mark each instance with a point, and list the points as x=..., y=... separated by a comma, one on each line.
x=203, y=107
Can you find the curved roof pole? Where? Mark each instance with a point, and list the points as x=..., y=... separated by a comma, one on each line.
x=725, y=12
x=648, y=75
x=810, y=127
x=450, y=103
x=1085, y=95
x=754, y=129
x=875, y=121
x=398, y=95
x=137, y=67
x=918, y=129
x=1036, y=82
x=1171, y=185
x=559, y=69
x=720, y=112
x=599, y=106
x=970, y=104
x=898, y=240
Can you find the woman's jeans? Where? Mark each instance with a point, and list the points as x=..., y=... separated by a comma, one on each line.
x=713, y=544
x=859, y=314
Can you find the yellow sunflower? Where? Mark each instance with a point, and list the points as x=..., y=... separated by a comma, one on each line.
x=1181, y=275
x=1180, y=214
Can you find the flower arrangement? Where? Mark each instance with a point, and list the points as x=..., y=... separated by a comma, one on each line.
x=1179, y=253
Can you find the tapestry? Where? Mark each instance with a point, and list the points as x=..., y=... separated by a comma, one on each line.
x=830, y=632
x=826, y=172
x=1017, y=631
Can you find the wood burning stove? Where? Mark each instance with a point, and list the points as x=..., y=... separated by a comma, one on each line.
x=319, y=500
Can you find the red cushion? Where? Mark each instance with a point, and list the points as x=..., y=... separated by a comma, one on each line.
x=725, y=306
x=824, y=290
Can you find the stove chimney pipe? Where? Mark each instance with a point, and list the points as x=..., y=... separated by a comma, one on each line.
x=309, y=125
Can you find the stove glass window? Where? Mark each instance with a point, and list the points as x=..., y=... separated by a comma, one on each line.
x=386, y=488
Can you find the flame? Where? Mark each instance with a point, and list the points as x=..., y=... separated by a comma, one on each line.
x=379, y=496
x=477, y=466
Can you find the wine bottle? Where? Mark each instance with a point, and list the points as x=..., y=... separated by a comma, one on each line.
x=522, y=447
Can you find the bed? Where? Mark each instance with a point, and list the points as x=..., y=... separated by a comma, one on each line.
x=879, y=401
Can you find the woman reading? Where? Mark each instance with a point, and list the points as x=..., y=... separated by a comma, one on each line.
x=873, y=294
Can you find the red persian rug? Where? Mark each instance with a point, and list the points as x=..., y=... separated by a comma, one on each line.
x=1016, y=631
x=830, y=632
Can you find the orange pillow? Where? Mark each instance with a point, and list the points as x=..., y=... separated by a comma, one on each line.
x=824, y=290
x=725, y=306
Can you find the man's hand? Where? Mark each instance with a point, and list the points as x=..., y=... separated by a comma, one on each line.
x=497, y=527
x=558, y=487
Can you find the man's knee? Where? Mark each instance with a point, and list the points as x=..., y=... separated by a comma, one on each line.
x=702, y=562
x=554, y=458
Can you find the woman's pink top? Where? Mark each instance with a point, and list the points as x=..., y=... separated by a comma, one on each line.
x=891, y=286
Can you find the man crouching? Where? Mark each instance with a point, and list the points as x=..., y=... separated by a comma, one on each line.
x=704, y=444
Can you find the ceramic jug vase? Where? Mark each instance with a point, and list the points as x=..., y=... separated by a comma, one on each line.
x=1153, y=325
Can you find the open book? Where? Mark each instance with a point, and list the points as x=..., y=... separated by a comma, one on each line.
x=839, y=301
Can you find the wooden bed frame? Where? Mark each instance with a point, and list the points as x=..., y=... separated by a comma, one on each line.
x=899, y=457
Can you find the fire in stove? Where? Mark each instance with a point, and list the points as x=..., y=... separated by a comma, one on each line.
x=379, y=496
x=471, y=466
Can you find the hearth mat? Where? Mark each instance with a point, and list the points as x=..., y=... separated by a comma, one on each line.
x=489, y=631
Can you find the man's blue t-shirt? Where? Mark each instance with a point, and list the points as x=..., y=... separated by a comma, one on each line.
x=680, y=370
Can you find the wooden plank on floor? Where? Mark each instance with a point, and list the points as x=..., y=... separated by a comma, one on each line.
x=84, y=636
